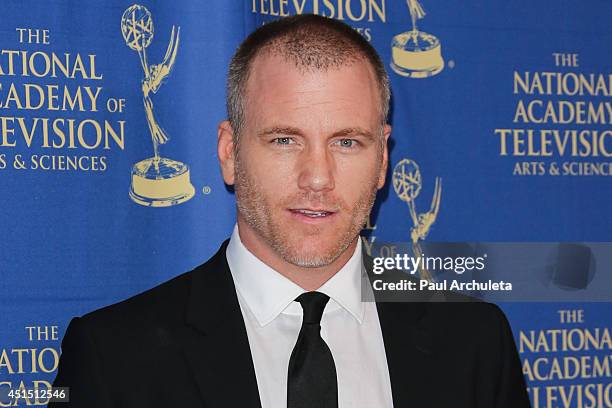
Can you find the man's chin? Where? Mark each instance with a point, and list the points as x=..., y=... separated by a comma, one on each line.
x=310, y=260
x=309, y=253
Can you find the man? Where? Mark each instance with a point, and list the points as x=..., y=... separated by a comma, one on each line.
x=276, y=317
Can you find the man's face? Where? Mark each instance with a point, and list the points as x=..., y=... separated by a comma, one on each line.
x=312, y=155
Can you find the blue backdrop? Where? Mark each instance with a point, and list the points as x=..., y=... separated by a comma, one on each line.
x=508, y=103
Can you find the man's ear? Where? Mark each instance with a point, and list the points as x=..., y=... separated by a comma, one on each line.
x=225, y=151
x=383, y=169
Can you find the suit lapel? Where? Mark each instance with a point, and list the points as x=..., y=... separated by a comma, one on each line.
x=215, y=344
x=409, y=347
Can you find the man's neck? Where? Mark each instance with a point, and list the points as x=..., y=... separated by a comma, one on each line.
x=308, y=278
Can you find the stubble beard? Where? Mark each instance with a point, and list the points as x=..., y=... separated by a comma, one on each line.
x=256, y=210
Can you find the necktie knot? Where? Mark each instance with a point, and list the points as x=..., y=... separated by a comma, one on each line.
x=313, y=304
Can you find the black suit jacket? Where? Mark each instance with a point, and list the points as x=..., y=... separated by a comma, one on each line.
x=184, y=344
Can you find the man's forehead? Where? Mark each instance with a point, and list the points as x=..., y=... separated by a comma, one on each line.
x=274, y=74
x=278, y=92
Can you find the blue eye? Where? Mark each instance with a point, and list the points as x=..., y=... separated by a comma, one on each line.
x=346, y=142
x=283, y=140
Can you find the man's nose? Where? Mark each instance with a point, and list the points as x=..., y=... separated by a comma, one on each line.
x=316, y=169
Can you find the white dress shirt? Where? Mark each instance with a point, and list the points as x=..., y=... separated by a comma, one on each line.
x=349, y=326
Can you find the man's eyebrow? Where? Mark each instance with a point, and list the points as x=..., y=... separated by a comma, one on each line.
x=354, y=131
x=281, y=130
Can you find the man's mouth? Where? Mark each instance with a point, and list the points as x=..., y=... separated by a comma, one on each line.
x=311, y=213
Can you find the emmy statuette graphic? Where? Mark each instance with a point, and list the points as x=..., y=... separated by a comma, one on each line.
x=414, y=53
x=407, y=185
x=156, y=181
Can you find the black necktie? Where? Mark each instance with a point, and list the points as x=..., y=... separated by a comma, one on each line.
x=311, y=381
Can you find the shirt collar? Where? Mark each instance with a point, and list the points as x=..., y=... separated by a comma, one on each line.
x=268, y=293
